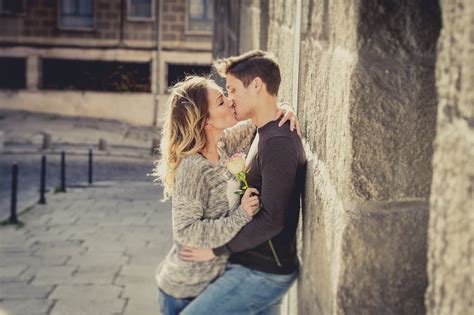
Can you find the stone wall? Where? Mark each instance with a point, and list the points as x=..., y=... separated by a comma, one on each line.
x=367, y=105
x=451, y=226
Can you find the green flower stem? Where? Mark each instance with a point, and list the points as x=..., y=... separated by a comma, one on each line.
x=274, y=253
x=241, y=176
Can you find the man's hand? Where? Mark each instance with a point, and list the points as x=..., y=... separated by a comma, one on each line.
x=195, y=254
x=250, y=202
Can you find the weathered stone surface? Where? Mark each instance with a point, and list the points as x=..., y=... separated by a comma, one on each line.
x=367, y=104
x=451, y=226
x=383, y=259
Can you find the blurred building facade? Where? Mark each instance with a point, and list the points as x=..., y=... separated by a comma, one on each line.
x=100, y=58
x=383, y=91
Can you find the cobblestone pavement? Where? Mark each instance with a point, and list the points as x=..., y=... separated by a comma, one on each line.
x=105, y=169
x=88, y=251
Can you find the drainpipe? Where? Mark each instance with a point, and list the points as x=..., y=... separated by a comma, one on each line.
x=296, y=54
x=157, y=69
x=294, y=102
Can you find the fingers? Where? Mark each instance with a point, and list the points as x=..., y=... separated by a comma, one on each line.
x=249, y=191
x=186, y=255
x=284, y=119
x=298, y=129
x=278, y=114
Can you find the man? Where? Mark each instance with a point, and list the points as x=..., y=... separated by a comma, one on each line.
x=263, y=263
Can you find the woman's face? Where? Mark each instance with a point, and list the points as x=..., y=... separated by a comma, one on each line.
x=221, y=114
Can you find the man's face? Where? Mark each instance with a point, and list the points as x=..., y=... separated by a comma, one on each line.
x=241, y=97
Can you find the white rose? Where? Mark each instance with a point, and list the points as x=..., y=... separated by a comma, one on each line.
x=236, y=164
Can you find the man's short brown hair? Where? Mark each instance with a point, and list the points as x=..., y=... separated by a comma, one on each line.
x=248, y=66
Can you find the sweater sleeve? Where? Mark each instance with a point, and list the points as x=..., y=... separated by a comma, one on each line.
x=279, y=168
x=238, y=138
x=189, y=201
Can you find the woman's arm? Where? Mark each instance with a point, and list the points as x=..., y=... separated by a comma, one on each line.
x=189, y=201
x=237, y=138
x=192, y=229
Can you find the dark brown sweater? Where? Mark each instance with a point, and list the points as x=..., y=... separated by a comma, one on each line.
x=278, y=172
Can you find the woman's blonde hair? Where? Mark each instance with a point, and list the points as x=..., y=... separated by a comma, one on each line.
x=183, y=129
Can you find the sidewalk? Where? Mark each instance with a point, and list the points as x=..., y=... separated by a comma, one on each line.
x=89, y=251
x=23, y=133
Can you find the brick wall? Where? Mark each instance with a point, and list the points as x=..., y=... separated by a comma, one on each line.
x=174, y=24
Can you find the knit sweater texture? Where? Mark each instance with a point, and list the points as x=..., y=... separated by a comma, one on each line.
x=205, y=214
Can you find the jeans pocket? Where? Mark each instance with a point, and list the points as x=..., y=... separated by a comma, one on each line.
x=277, y=280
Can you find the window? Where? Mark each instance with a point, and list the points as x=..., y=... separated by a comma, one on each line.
x=140, y=9
x=177, y=72
x=12, y=73
x=95, y=75
x=200, y=16
x=12, y=6
x=76, y=14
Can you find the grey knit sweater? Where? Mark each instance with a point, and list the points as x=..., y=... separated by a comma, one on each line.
x=205, y=214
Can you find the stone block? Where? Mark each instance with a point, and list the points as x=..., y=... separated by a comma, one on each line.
x=383, y=260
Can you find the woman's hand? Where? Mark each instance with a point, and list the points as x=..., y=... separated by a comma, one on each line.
x=288, y=114
x=250, y=203
x=195, y=254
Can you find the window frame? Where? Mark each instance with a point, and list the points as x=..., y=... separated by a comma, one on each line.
x=187, y=31
x=77, y=28
x=10, y=13
x=141, y=18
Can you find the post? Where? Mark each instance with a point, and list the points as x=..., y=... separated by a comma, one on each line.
x=63, y=172
x=13, y=217
x=90, y=166
x=42, y=200
x=155, y=144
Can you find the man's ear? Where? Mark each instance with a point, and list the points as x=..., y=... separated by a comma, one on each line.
x=257, y=84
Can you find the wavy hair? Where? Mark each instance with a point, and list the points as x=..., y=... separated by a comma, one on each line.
x=183, y=129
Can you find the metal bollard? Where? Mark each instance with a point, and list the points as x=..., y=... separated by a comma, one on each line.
x=13, y=217
x=155, y=144
x=47, y=143
x=90, y=167
x=42, y=200
x=63, y=172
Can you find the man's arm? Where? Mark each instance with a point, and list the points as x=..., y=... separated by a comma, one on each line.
x=279, y=167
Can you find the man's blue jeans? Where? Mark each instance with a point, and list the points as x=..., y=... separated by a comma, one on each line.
x=241, y=291
x=170, y=305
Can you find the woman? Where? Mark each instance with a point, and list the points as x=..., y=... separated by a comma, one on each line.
x=205, y=212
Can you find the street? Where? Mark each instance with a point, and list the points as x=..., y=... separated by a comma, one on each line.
x=106, y=168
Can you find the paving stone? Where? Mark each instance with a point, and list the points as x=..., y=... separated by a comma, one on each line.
x=87, y=292
x=134, y=308
x=88, y=307
x=23, y=290
x=78, y=260
x=25, y=307
x=53, y=275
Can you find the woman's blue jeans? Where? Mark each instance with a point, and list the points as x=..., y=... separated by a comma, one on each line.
x=241, y=290
x=170, y=305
